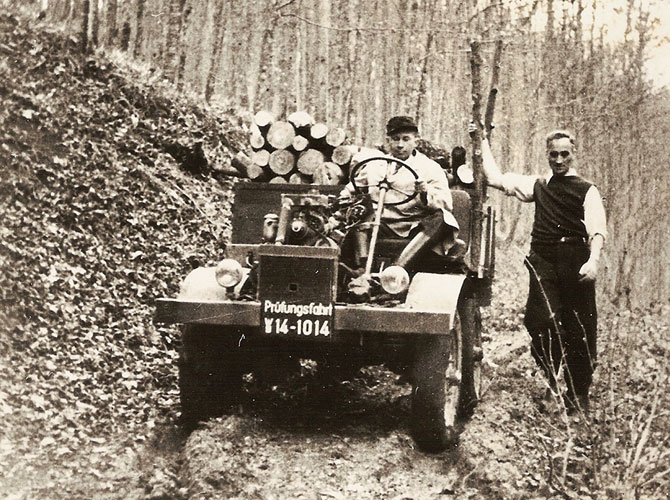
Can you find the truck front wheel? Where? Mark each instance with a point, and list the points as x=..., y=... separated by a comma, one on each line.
x=436, y=389
x=471, y=323
x=210, y=372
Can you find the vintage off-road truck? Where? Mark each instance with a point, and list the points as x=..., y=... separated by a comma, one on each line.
x=282, y=293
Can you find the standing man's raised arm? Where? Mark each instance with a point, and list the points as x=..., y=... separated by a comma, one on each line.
x=518, y=185
x=494, y=177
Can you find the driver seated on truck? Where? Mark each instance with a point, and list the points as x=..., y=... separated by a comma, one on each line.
x=425, y=221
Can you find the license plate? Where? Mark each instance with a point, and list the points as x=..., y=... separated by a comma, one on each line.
x=312, y=320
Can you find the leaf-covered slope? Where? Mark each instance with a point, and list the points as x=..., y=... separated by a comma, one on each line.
x=98, y=219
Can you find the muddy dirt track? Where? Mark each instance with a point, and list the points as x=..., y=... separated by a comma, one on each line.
x=313, y=440
x=351, y=441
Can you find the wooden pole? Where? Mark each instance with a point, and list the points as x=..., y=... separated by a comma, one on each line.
x=478, y=194
x=493, y=92
x=489, y=254
x=86, y=10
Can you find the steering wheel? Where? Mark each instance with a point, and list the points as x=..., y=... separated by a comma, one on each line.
x=385, y=181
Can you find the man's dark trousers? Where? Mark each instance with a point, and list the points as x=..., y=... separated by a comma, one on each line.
x=561, y=314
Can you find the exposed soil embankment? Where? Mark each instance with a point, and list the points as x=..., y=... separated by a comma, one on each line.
x=98, y=219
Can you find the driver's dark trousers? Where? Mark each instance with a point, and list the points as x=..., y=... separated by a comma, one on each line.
x=561, y=315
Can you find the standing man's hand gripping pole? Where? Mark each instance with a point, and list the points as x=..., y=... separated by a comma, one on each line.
x=492, y=172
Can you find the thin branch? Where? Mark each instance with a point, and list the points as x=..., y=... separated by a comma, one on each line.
x=289, y=2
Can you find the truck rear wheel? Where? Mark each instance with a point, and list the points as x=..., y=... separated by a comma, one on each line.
x=436, y=389
x=471, y=323
x=210, y=372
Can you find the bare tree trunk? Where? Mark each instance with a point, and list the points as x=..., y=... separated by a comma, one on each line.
x=424, y=76
x=183, y=44
x=256, y=37
x=95, y=25
x=297, y=66
x=111, y=30
x=140, y=28
x=125, y=37
x=476, y=238
x=352, y=58
x=216, y=51
x=172, y=38
x=86, y=9
x=323, y=58
x=201, y=19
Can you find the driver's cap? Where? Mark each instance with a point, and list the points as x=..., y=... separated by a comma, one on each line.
x=401, y=124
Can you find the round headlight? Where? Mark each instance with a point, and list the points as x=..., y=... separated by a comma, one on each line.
x=394, y=279
x=228, y=273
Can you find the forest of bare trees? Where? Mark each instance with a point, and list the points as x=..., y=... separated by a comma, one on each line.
x=354, y=63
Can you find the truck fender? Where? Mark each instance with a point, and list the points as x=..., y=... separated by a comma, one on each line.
x=430, y=292
x=201, y=285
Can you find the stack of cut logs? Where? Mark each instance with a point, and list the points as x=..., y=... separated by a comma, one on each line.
x=296, y=150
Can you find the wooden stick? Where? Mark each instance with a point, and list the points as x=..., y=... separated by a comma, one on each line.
x=493, y=92
x=477, y=197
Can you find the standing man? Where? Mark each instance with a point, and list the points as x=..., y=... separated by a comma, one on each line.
x=426, y=220
x=568, y=233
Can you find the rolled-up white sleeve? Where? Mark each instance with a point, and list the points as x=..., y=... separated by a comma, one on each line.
x=438, y=193
x=519, y=185
x=595, y=219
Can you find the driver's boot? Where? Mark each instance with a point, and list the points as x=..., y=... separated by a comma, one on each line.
x=432, y=232
x=360, y=287
x=361, y=247
x=415, y=246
